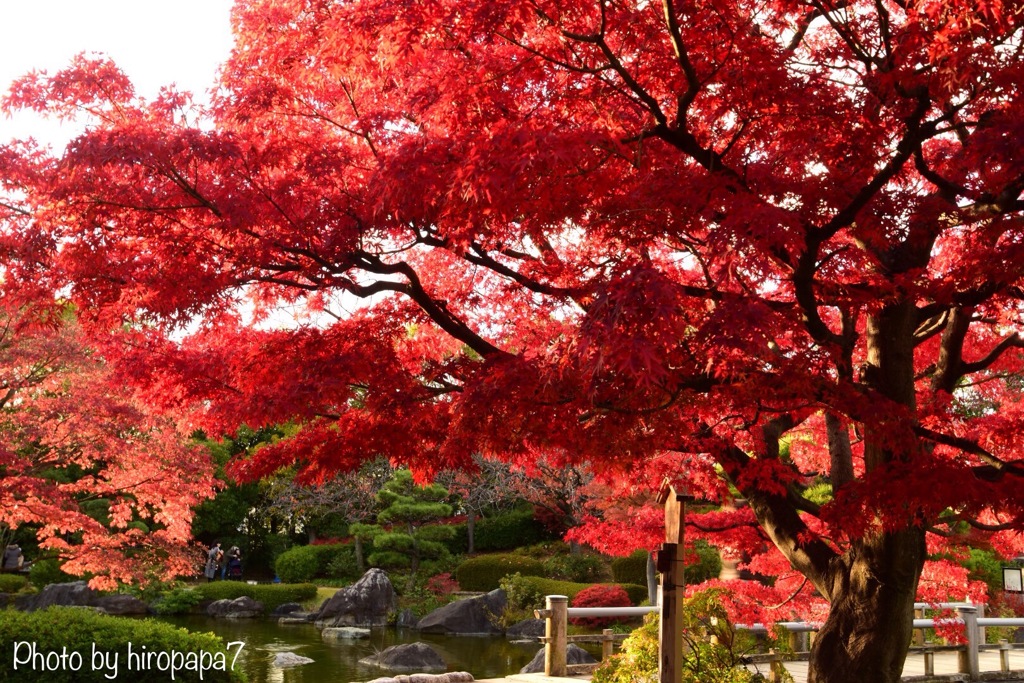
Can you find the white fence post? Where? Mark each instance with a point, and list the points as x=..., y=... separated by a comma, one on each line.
x=970, y=664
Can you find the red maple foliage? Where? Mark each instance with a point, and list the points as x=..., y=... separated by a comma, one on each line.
x=70, y=437
x=774, y=245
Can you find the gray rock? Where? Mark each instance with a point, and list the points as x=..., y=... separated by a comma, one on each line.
x=120, y=604
x=75, y=594
x=574, y=654
x=337, y=633
x=285, y=660
x=286, y=610
x=407, y=657
x=527, y=629
x=301, y=619
x=239, y=608
x=406, y=619
x=472, y=616
x=450, y=677
x=370, y=601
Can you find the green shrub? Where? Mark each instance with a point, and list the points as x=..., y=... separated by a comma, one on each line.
x=46, y=571
x=177, y=601
x=307, y=562
x=703, y=661
x=985, y=565
x=12, y=583
x=342, y=565
x=708, y=565
x=631, y=569
x=271, y=595
x=578, y=567
x=80, y=631
x=507, y=531
x=458, y=544
x=297, y=565
x=485, y=573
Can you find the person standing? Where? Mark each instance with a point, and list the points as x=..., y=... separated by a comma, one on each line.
x=213, y=559
x=14, y=559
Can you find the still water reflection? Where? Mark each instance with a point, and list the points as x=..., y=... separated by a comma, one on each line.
x=339, y=662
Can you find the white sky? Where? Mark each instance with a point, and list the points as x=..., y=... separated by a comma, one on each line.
x=156, y=42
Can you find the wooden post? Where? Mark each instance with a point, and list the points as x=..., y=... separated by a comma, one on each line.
x=776, y=670
x=919, y=632
x=555, y=645
x=1004, y=655
x=673, y=586
x=929, y=662
x=606, y=644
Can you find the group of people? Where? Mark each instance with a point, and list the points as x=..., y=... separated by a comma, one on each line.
x=229, y=566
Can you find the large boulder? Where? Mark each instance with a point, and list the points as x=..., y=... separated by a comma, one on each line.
x=239, y=608
x=574, y=654
x=73, y=594
x=78, y=594
x=527, y=629
x=407, y=657
x=120, y=605
x=370, y=601
x=471, y=616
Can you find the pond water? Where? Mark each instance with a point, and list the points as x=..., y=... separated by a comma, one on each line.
x=483, y=657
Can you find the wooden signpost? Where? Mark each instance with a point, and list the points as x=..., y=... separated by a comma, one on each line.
x=673, y=586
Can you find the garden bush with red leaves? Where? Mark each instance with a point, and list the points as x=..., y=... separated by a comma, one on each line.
x=600, y=596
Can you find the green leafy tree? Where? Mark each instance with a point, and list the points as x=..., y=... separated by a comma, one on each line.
x=404, y=539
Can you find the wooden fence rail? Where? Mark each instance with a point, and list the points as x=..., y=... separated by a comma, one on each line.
x=801, y=634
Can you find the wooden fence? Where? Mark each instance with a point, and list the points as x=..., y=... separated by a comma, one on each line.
x=801, y=636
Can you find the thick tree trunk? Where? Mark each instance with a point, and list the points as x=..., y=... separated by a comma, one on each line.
x=870, y=624
x=652, y=580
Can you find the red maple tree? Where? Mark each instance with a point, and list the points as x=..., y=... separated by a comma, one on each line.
x=104, y=484
x=629, y=234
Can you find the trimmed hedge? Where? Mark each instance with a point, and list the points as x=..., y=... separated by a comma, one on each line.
x=12, y=583
x=631, y=569
x=80, y=631
x=542, y=586
x=507, y=531
x=306, y=562
x=271, y=595
x=484, y=573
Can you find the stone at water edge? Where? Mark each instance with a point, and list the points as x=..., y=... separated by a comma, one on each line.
x=286, y=609
x=407, y=657
x=285, y=660
x=574, y=654
x=527, y=629
x=336, y=633
x=450, y=677
x=370, y=601
x=471, y=616
x=239, y=608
